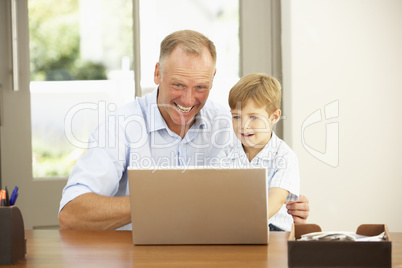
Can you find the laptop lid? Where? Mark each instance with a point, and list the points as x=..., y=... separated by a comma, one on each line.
x=199, y=206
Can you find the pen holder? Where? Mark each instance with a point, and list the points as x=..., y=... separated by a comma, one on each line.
x=12, y=236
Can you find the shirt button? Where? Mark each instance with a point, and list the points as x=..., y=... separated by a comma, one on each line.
x=181, y=144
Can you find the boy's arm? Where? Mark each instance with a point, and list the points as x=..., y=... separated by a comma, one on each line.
x=276, y=198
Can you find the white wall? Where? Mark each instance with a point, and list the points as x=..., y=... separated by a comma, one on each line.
x=345, y=55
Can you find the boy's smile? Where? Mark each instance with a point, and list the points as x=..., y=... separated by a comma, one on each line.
x=247, y=135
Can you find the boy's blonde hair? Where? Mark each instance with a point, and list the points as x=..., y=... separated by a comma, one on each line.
x=264, y=90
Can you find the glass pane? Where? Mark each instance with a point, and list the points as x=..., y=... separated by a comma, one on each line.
x=81, y=69
x=217, y=19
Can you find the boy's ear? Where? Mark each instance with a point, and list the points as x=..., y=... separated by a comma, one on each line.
x=275, y=116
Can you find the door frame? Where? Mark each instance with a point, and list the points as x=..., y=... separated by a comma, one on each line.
x=36, y=197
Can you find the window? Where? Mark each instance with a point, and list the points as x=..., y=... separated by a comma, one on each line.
x=81, y=55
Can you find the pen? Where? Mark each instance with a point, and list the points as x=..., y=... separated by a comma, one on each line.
x=14, y=196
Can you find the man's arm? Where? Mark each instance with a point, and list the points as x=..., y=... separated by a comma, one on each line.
x=93, y=211
x=299, y=209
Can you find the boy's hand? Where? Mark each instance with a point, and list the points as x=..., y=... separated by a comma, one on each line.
x=299, y=209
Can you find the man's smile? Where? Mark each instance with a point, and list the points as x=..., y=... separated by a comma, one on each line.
x=183, y=109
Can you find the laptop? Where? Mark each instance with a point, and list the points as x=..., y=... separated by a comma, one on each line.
x=199, y=206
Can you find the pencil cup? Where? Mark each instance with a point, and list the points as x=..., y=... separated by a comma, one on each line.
x=12, y=236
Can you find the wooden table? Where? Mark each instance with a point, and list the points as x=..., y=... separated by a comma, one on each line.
x=53, y=248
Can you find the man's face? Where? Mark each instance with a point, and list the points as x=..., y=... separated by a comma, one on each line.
x=184, y=83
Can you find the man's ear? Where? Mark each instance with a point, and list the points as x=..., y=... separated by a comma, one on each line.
x=157, y=74
x=275, y=116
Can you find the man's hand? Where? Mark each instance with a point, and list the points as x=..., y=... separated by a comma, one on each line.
x=299, y=209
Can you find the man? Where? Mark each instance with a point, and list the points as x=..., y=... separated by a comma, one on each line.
x=175, y=125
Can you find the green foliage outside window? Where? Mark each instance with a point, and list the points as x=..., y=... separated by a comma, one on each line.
x=55, y=43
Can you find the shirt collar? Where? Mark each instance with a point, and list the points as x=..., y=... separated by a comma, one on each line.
x=154, y=117
x=270, y=150
x=237, y=152
x=200, y=120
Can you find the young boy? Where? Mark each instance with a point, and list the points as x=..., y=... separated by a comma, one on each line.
x=254, y=102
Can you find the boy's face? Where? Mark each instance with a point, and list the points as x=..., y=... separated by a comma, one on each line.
x=253, y=125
